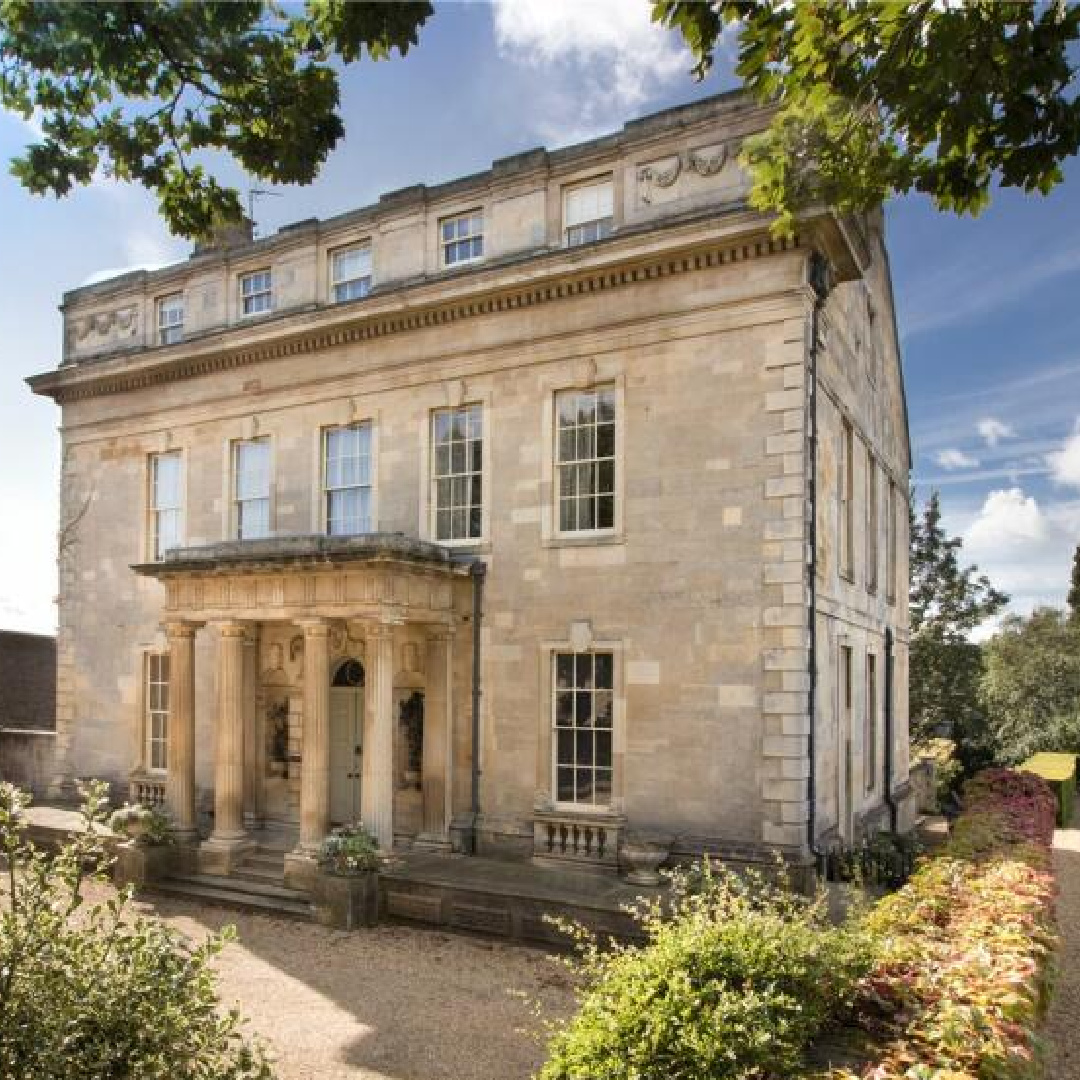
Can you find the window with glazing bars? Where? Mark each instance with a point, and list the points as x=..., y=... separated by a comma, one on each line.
x=847, y=493
x=457, y=448
x=251, y=489
x=165, y=502
x=462, y=238
x=871, y=522
x=256, y=292
x=350, y=273
x=347, y=479
x=170, y=313
x=870, y=736
x=157, y=711
x=585, y=460
x=587, y=212
x=583, y=718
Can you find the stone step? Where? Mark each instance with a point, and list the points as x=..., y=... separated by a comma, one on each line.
x=239, y=892
x=265, y=860
x=258, y=872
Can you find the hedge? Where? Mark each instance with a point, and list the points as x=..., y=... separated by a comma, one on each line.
x=963, y=977
x=1059, y=771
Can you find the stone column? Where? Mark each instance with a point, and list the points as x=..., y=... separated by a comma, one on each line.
x=180, y=784
x=437, y=747
x=228, y=840
x=315, y=744
x=377, y=791
x=254, y=767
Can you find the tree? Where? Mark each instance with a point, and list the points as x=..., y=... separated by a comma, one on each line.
x=878, y=98
x=1073, y=599
x=873, y=98
x=947, y=602
x=91, y=989
x=1031, y=687
x=144, y=91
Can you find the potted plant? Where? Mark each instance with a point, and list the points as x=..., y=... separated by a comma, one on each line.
x=148, y=852
x=346, y=887
x=141, y=824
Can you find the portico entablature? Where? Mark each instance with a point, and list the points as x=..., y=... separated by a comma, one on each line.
x=376, y=578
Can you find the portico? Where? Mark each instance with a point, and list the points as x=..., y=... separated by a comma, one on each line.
x=290, y=617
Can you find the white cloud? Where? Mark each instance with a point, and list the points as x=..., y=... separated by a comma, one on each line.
x=1023, y=547
x=956, y=459
x=617, y=56
x=1007, y=518
x=1065, y=463
x=993, y=430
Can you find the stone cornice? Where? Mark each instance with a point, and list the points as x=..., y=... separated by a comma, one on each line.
x=541, y=279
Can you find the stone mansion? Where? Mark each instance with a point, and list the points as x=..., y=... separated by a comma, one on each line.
x=512, y=515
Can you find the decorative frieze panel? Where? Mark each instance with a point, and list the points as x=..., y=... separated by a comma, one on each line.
x=686, y=174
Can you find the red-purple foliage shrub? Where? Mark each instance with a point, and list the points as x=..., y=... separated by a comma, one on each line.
x=959, y=989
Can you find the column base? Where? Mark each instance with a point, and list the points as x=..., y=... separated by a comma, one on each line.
x=301, y=869
x=219, y=855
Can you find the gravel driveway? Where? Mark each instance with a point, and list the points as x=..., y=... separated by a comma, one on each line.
x=390, y=1003
x=1063, y=1022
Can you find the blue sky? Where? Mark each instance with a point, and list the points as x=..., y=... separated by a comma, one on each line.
x=989, y=308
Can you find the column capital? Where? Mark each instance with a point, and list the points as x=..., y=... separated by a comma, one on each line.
x=314, y=627
x=381, y=630
x=439, y=632
x=181, y=628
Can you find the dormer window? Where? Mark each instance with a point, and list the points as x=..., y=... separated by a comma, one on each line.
x=350, y=273
x=462, y=238
x=588, y=212
x=170, y=319
x=256, y=293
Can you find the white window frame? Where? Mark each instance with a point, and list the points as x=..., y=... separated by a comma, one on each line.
x=367, y=522
x=156, y=708
x=465, y=477
x=588, y=230
x=170, y=329
x=236, y=514
x=472, y=219
x=871, y=723
x=845, y=501
x=363, y=282
x=154, y=508
x=872, y=522
x=891, y=521
x=252, y=301
x=579, y=463
x=559, y=695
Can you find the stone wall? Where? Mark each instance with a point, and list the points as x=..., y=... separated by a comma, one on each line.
x=26, y=759
x=27, y=680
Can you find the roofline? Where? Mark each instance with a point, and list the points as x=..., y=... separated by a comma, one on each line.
x=636, y=130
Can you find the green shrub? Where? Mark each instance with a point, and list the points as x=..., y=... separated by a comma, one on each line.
x=90, y=990
x=144, y=824
x=1059, y=771
x=947, y=769
x=349, y=849
x=735, y=981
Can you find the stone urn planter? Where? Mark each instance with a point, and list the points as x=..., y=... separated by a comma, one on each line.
x=346, y=901
x=641, y=855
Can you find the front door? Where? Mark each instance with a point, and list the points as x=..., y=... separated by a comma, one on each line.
x=346, y=748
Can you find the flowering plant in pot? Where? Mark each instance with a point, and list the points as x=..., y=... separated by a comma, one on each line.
x=348, y=850
x=141, y=824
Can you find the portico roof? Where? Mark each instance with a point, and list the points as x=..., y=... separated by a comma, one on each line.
x=381, y=577
x=253, y=556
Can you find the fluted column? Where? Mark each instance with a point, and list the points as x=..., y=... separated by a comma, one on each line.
x=229, y=766
x=377, y=791
x=253, y=734
x=437, y=747
x=180, y=783
x=315, y=748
